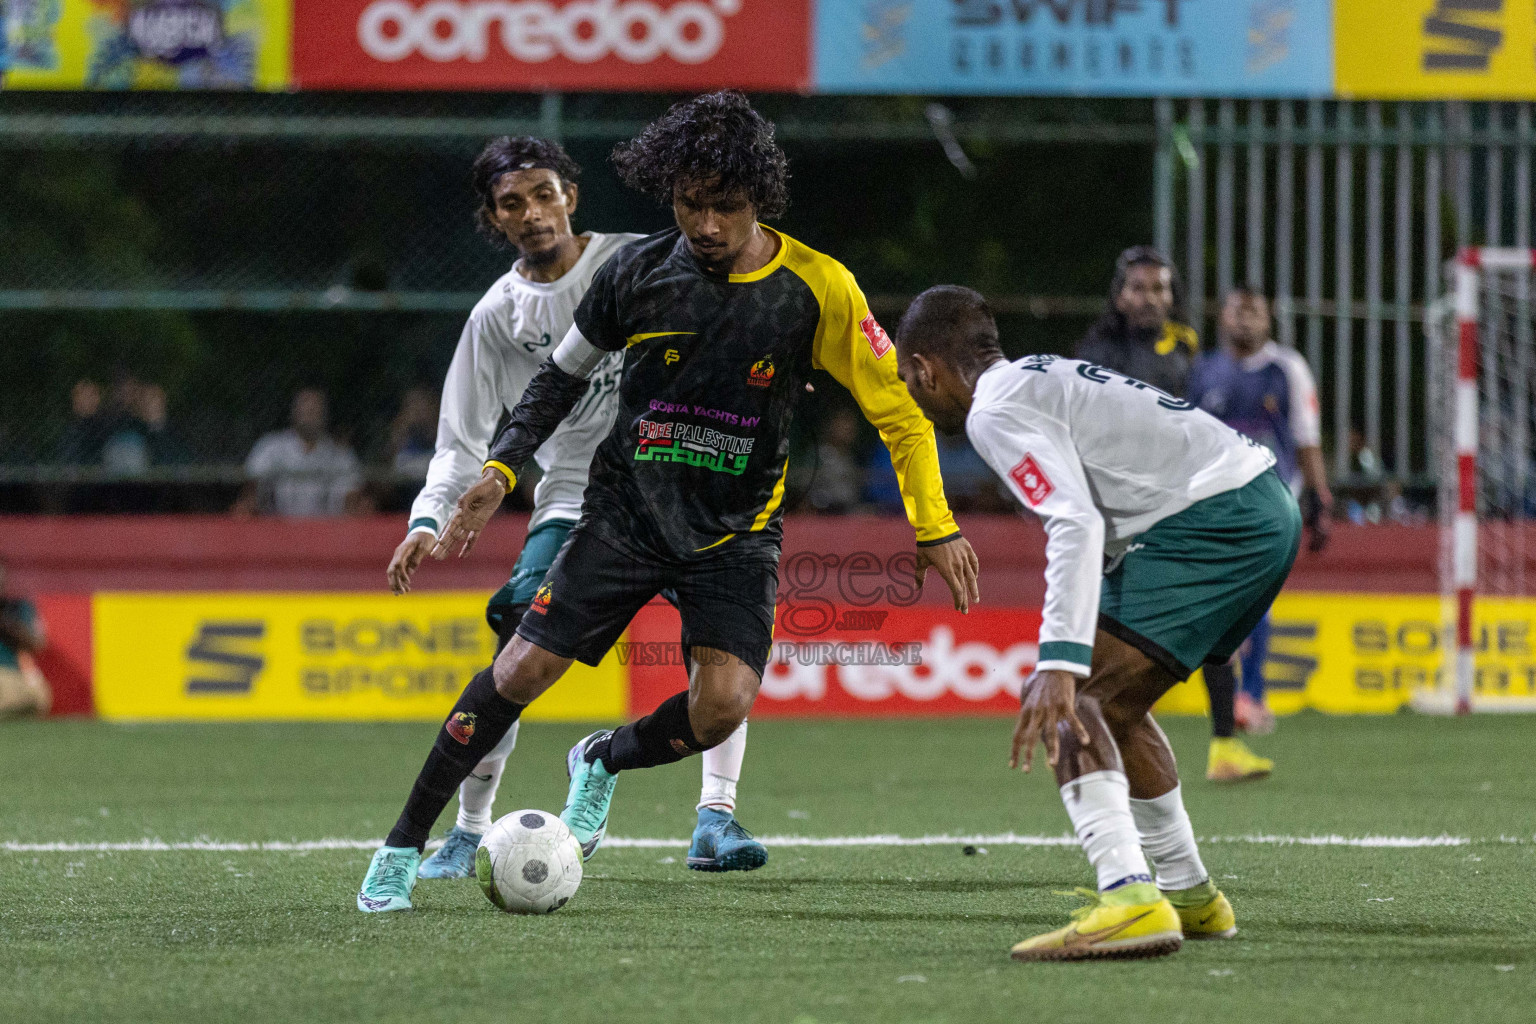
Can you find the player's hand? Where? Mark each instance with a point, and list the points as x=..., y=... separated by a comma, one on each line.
x=474, y=510
x=1317, y=516
x=1049, y=698
x=406, y=559
x=956, y=563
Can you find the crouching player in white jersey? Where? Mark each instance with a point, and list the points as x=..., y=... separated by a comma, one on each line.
x=527, y=188
x=1199, y=535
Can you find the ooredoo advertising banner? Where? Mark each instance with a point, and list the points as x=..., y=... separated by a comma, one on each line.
x=552, y=44
x=1076, y=47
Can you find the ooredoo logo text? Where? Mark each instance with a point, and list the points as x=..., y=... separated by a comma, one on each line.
x=584, y=31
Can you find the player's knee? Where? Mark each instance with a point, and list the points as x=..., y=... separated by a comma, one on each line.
x=715, y=719
x=521, y=674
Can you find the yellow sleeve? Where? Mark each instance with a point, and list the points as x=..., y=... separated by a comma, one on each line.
x=852, y=347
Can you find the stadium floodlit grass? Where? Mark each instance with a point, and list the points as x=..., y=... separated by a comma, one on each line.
x=822, y=934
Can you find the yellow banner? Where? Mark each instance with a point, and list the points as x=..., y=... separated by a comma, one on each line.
x=149, y=44
x=312, y=656
x=1367, y=653
x=1435, y=49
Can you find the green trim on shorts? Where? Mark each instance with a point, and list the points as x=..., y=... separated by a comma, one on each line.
x=1193, y=586
x=540, y=547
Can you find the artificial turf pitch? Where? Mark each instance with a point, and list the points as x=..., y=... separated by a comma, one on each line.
x=822, y=934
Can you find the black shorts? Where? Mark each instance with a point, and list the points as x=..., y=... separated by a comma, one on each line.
x=594, y=589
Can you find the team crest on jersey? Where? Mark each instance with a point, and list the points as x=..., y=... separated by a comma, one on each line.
x=761, y=374
x=879, y=341
x=461, y=726
x=1032, y=481
x=541, y=600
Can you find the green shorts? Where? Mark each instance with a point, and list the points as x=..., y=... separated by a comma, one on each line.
x=1192, y=588
x=539, y=550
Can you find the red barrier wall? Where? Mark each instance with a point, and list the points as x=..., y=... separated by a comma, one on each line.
x=62, y=560
x=81, y=554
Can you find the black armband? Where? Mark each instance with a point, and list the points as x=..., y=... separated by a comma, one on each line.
x=548, y=399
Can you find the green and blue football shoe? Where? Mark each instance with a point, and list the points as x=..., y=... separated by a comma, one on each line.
x=391, y=877
x=455, y=858
x=721, y=844
x=586, y=803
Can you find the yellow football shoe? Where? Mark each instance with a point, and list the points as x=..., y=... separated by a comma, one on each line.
x=1231, y=761
x=1109, y=931
x=1212, y=920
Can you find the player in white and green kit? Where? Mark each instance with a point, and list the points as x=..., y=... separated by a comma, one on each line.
x=528, y=193
x=1168, y=536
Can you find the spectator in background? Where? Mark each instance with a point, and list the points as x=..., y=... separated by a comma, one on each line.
x=140, y=436
x=1267, y=393
x=23, y=690
x=1139, y=333
x=839, y=479
x=152, y=413
x=413, y=434
x=969, y=485
x=301, y=471
x=88, y=429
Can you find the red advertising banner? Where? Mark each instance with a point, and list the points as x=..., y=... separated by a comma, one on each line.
x=641, y=45
x=66, y=661
x=877, y=661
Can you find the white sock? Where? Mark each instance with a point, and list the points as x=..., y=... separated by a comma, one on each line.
x=722, y=769
x=478, y=792
x=1099, y=806
x=1169, y=840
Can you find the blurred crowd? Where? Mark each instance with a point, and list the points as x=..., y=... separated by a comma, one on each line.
x=124, y=429
x=310, y=468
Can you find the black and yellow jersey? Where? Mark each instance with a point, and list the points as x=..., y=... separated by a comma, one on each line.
x=1162, y=357
x=714, y=368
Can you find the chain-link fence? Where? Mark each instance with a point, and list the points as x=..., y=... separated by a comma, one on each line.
x=177, y=267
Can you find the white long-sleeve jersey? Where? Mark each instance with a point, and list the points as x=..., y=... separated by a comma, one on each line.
x=1101, y=458
x=509, y=334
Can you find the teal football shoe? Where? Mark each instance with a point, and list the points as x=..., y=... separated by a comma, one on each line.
x=455, y=858
x=721, y=844
x=586, y=803
x=391, y=877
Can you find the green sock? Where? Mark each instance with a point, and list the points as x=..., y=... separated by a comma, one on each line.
x=1194, y=896
x=1130, y=895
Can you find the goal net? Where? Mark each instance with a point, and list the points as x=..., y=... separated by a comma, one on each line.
x=1486, y=399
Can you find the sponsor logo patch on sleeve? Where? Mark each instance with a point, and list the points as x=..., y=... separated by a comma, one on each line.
x=1032, y=481
x=879, y=341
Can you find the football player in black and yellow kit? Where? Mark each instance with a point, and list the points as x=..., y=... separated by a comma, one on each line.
x=721, y=320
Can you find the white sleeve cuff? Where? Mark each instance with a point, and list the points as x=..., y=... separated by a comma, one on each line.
x=1056, y=664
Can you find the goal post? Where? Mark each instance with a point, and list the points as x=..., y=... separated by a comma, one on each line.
x=1486, y=396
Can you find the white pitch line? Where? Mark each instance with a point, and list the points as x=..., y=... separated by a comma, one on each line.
x=618, y=842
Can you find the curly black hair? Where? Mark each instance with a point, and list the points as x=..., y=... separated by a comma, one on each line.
x=716, y=140
x=514, y=153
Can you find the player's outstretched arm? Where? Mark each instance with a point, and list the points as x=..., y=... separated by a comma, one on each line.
x=1049, y=698
x=548, y=399
x=473, y=512
x=407, y=559
x=956, y=564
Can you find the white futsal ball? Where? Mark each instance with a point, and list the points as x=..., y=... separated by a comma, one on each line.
x=529, y=863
